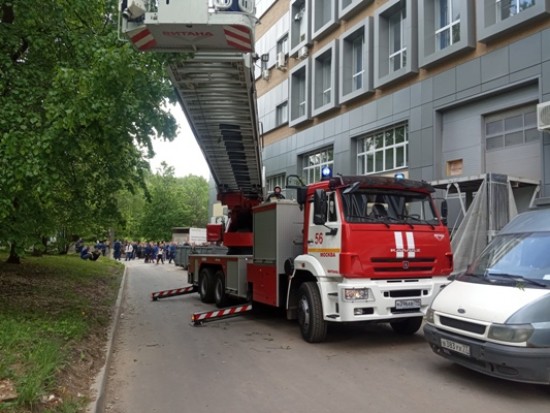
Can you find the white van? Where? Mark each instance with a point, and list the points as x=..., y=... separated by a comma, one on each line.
x=495, y=317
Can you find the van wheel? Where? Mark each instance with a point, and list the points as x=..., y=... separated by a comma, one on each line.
x=310, y=313
x=408, y=326
x=220, y=297
x=206, y=285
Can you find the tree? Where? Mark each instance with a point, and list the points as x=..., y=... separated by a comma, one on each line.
x=79, y=110
x=174, y=202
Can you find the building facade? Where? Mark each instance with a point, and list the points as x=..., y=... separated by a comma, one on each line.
x=435, y=89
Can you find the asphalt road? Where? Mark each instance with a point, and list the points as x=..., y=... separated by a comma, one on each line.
x=259, y=363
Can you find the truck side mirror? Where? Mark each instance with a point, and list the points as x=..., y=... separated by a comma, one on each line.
x=444, y=211
x=319, y=207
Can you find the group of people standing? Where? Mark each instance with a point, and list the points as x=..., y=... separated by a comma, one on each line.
x=151, y=252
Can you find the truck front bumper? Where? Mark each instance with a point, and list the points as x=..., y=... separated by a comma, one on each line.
x=523, y=364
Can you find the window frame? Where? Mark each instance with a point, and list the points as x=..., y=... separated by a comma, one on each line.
x=346, y=56
x=297, y=96
x=324, y=72
x=509, y=114
x=362, y=156
x=383, y=76
x=489, y=28
x=316, y=166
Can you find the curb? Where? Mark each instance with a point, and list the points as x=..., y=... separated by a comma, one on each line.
x=98, y=387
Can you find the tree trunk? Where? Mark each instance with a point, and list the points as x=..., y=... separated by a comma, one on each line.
x=13, y=258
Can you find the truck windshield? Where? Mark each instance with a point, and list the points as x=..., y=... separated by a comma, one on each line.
x=513, y=259
x=386, y=206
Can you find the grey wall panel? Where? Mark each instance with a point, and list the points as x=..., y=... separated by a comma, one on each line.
x=468, y=75
x=384, y=106
x=415, y=148
x=355, y=118
x=545, y=79
x=523, y=74
x=415, y=119
x=545, y=45
x=427, y=145
x=501, y=82
x=468, y=93
x=427, y=90
x=426, y=116
x=416, y=94
x=526, y=52
x=444, y=84
x=495, y=64
x=401, y=100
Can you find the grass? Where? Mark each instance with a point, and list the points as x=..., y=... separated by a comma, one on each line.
x=55, y=313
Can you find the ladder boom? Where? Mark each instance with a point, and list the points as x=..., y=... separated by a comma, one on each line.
x=213, y=80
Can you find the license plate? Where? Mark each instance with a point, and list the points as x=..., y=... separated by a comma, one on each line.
x=454, y=346
x=409, y=304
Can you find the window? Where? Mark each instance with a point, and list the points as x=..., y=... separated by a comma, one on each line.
x=315, y=162
x=357, y=69
x=281, y=113
x=273, y=181
x=497, y=18
x=396, y=40
x=446, y=28
x=382, y=151
x=282, y=45
x=324, y=79
x=447, y=24
x=299, y=110
x=509, y=8
x=351, y=7
x=513, y=127
x=324, y=16
x=355, y=61
x=398, y=48
x=299, y=34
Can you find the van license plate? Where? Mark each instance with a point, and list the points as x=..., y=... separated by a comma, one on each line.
x=454, y=346
x=409, y=304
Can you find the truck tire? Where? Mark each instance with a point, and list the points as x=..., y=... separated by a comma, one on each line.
x=206, y=285
x=220, y=297
x=407, y=327
x=310, y=313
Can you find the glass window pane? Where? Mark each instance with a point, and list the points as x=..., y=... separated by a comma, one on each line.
x=400, y=156
x=494, y=143
x=379, y=161
x=515, y=138
x=370, y=163
x=388, y=138
x=389, y=159
x=400, y=134
x=514, y=122
x=530, y=119
x=493, y=128
x=379, y=140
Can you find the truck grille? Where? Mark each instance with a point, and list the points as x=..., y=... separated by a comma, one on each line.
x=390, y=265
x=462, y=325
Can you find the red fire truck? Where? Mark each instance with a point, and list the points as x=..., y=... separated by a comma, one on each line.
x=345, y=249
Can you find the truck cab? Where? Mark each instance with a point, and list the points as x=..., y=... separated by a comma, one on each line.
x=495, y=317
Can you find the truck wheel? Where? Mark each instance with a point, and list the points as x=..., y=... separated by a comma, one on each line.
x=220, y=297
x=310, y=313
x=407, y=327
x=206, y=285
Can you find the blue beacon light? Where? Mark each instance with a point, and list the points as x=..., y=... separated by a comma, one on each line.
x=326, y=173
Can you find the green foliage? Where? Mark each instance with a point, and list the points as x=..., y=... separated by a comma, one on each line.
x=79, y=108
x=174, y=202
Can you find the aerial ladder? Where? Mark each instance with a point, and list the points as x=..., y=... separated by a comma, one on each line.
x=213, y=76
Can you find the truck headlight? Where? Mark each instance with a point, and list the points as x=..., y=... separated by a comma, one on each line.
x=512, y=333
x=429, y=317
x=354, y=294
